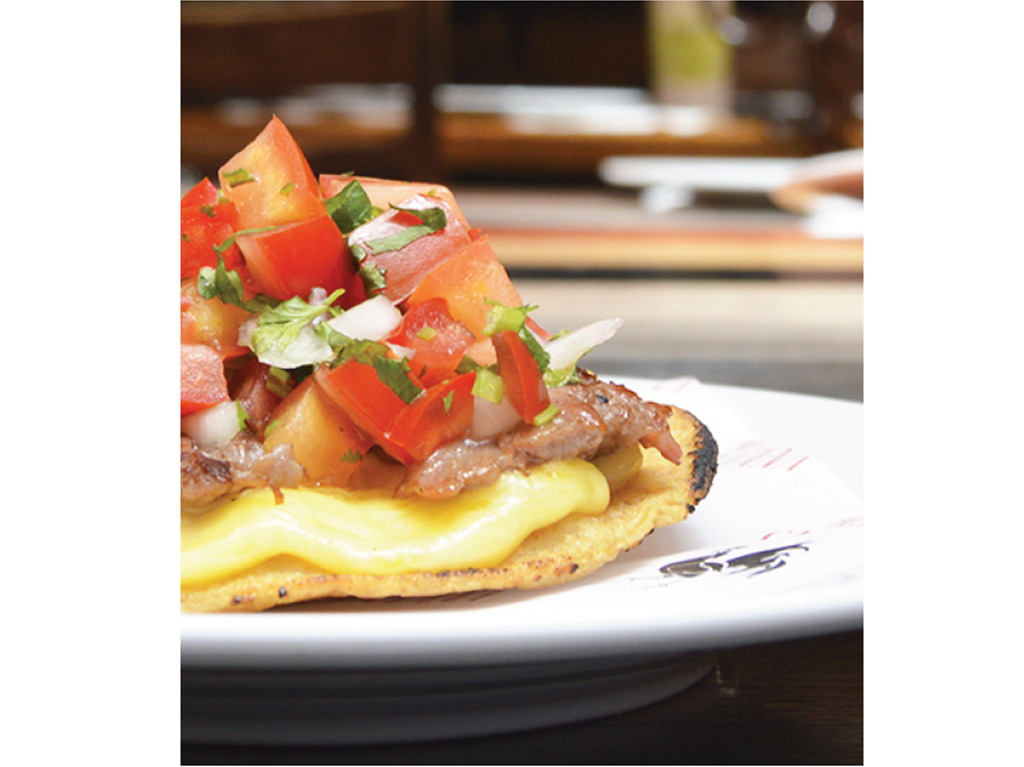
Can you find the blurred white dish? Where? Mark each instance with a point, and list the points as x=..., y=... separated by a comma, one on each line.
x=839, y=174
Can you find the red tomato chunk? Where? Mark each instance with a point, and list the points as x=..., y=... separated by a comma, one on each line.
x=203, y=384
x=437, y=339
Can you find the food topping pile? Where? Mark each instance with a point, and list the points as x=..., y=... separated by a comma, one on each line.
x=336, y=328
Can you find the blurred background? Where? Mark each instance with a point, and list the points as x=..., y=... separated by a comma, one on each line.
x=693, y=167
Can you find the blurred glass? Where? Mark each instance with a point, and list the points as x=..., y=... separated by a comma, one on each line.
x=691, y=60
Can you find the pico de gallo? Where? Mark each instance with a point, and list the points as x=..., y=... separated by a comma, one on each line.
x=343, y=314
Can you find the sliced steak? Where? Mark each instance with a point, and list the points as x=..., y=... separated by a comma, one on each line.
x=595, y=418
x=207, y=475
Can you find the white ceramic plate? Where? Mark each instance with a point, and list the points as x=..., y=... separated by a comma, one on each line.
x=774, y=552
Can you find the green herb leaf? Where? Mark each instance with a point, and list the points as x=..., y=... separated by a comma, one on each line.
x=361, y=351
x=286, y=189
x=554, y=378
x=426, y=333
x=393, y=374
x=280, y=325
x=352, y=456
x=279, y=382
x=502, y=318
x=447, y=401
x=226, y=285
x=468, y=365
x=334, y=338
x=243, y=417
x=207, y=210
x=546, y=415
x=373, y=278
x=231, y=240
x=236, y=177
x=351, y=207
x=434, y=220
x=542, y=357
x=489, y=385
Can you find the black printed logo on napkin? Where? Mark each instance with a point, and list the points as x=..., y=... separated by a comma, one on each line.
x=727, y=562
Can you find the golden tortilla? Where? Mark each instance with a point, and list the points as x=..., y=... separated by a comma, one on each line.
x=660, y=494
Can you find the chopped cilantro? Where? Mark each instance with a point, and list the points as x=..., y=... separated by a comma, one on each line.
x=279, y=325
x=236, y=177
x=352, y=456
x=279, y=382
x=373, y=278
x=351, y=207
x=243, y=417
x=433, y=220
x=502, y=318
x=231, y=240
x=561, y=377
x=546, y=415
x=489, y=385
x=226, y=285
x=393, y=374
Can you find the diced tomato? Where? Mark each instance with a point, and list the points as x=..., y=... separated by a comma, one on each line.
x=322, y=437
x=466, y=280
x=294, y=259
x=524, y=383
x=406, y=432
x=438, y=416
x=385, y=193
x=270, y=181
x=211, y=322
x=203, y=193
x=248, y=386
x=203, y=384
x=204, y=226
x=189, y=326
x=370, y=403
x=405, y=267
x=437, y=339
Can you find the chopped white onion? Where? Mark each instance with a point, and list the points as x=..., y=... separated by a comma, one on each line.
x=372, y=320
x=490, y=420
x=565, y=351
x=402, y=352
x=214, y=427
x=245, y=331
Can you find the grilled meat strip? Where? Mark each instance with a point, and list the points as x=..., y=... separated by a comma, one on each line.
x=595, y=418
x=207, y=475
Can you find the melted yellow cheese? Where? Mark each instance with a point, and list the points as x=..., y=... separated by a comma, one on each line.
x=345, y=531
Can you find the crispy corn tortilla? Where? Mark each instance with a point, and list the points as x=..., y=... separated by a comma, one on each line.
x=660, y=494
